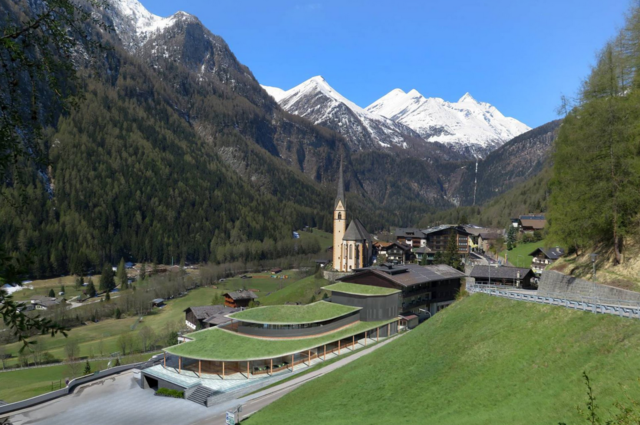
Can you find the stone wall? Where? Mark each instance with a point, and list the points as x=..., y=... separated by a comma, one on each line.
x=555, y=283
x=334, y=276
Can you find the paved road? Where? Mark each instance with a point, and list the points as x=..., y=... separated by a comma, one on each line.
x=120, y=400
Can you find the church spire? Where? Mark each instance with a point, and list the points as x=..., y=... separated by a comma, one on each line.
x=340, y=196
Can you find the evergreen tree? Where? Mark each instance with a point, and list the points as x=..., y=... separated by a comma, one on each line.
x=87, y=368
x=118, y=313
x=62, y=289
x=143, y=271
x=511, y=238
x=121, y=275
x=107, y=297
x=79, y=282
x=451, y=256
x=91, y=289
x=107, y=282
x=52, y=294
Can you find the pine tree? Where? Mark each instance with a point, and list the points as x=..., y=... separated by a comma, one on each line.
x=91, y=289
x=511, y=238
x=87, y=368
x=121, y=275
x=107, y=282
x=118, y=313
x=107, y=297
x=143, y=271
x=451, y=256
x=52, y=294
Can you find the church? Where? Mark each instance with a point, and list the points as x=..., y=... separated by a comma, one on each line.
x=353, y=245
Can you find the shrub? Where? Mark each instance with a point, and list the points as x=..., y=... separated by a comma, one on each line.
x=166, y=392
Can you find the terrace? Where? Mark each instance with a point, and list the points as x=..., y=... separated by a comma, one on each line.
x=356, y=289
x=320, y=311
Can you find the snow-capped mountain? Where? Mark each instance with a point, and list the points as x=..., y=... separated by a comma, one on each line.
x=466, y=124
x=320, y=103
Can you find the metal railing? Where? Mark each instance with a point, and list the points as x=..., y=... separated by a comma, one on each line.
x=593, y=307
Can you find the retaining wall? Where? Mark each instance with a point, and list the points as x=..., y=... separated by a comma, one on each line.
x=7, y=408
x=555, y=283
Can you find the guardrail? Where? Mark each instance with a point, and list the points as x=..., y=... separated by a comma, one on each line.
x=593, y=307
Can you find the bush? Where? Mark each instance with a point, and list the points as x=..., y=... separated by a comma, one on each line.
x=166, y=392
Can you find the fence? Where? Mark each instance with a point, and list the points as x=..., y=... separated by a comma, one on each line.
x=582, y=305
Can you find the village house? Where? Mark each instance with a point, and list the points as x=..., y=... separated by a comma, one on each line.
x=208, y=316
x=486, y=240
x=239, y=298
x=415, y=238
x=529, y=223
x=543, y=257
x=511, y=276
x=41, y=302
x=396, y=253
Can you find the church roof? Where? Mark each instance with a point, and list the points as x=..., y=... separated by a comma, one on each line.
x=356, y=232
x=340, y=195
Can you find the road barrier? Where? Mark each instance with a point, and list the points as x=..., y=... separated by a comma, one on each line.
x=587, y=305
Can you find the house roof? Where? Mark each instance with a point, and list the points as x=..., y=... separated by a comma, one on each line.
x=409, y=274
x=532, y=217
x=356, y=232
x=241, y=294
x=536, y=223
x=157, y=300
x=206, y=311
x=459, y=229
x=359, y=289
x=409, y=232
x=504, y=272
x=550, y=253
x=402, y=246
x=490, y=236
x=422, y=250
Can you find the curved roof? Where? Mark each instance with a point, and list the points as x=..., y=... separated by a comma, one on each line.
x=218, y=344
x=357, y=289
x=293, y=314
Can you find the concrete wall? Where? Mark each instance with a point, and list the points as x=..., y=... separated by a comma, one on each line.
x=289, y=333
x=333, y=276
x=68, y=390
x=554, y=283
x=373, y=308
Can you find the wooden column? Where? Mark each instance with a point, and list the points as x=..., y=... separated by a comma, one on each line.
x=338, y=347
x=165, y=359
x=353, y=342
x=222, y=370
x=247, y=370
x=199, y=368
x=271, y=369
x=308, y=357
x=292, y=362
x=377, y=334
x=179, y=364
x=325, y=353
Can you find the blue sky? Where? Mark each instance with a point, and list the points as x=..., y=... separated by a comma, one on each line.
x=518, y=55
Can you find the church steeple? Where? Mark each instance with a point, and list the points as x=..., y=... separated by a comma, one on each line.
x=339, y=225
x=340, y=195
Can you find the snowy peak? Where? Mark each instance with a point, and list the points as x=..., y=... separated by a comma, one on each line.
x=317, y=101
x=135, y=24
x=473, y=126
x=466, y=98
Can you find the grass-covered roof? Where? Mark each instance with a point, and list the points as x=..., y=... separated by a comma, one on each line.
x=222, y=345
x=293, y=314
x=354, y=288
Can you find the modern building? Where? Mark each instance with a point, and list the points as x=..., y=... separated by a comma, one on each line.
x=511, y=276
x=353, y=245
x=266, y=340
x=438, y=238
x=543, y=257
x=208, y=316
x=424, y=290
x=239, y=298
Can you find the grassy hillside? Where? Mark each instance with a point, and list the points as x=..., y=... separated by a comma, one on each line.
x=519, y=256
x=484, y=360
x=301, y=291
